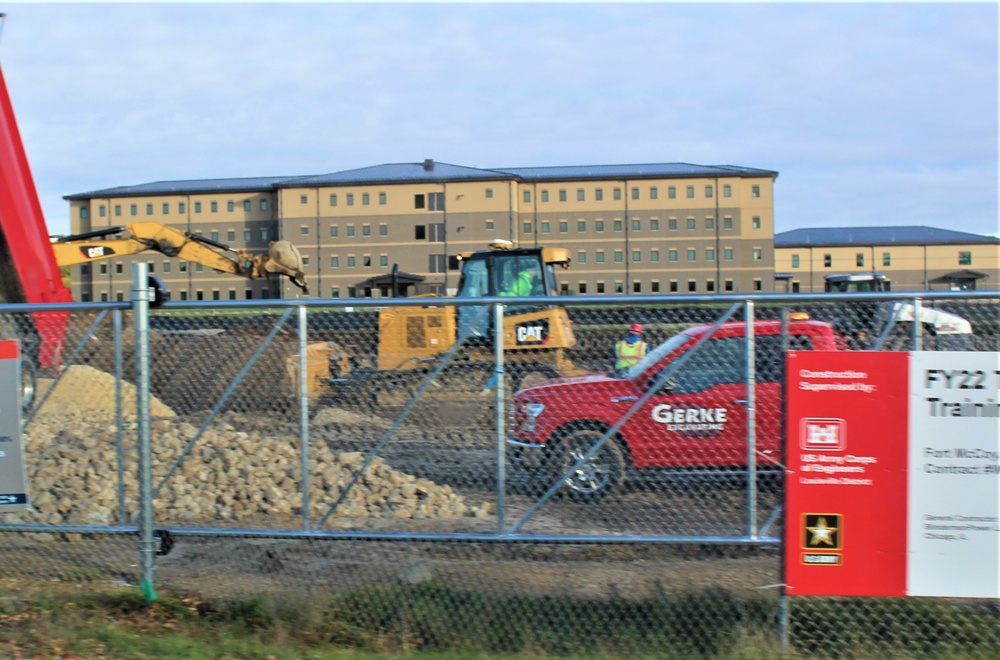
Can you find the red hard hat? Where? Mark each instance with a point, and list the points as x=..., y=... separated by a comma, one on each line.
x=636, y=328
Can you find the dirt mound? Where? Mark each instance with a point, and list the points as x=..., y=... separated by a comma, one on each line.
x=85, y=388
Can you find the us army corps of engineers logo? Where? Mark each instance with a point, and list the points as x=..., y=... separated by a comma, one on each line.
x=822, y=539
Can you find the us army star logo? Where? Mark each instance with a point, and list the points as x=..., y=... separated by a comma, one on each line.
x=821, y=531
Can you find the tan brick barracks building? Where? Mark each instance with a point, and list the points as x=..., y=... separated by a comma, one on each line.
x=631, y=229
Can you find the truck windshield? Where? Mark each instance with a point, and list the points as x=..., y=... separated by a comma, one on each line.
x=474, y=281
x=652, y=357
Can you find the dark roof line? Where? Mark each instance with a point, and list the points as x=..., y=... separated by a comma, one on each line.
x=888, y=235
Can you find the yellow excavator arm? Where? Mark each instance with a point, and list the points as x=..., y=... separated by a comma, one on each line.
x=282, y=258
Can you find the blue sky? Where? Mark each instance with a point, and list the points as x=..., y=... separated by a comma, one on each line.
x=872, y=113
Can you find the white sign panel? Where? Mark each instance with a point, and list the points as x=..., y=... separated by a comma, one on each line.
x=13, y=493
x=954, y=486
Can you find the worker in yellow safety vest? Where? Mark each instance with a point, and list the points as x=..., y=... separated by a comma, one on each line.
x=631, y=349
x=521, y=286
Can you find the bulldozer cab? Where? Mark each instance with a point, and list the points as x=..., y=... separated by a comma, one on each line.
x=504, y=272
x=857, y=283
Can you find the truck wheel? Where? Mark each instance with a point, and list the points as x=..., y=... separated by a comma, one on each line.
x=602, y=474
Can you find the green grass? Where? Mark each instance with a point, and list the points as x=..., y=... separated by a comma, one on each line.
x=436, y=622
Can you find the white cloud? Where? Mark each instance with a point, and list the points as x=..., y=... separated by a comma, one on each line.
x=903, y=96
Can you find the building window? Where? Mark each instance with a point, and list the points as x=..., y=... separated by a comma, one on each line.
x=303, y=230
x=617, y=194
x=692, y=286
x=582, y=288
x=435, y=201
x=728, y=254
x=758, y=254
x=489, y=193
x=795, y=261
x=756, y=222
x=365, y=199
x=709, y=223
x=366, y=230
x=545, y=227
x=692, y=254
x=383, y=260
x=729, y=285
x=527, y=196
x=599, y=194
x=654, y=225
x=709, y=254
x=333, y=199
x=230, y=206
x=118, y=209
x=654, y=255
x=635, y=193
x=352, y=292
x=263, y=205
x=636, y=225
x=545, y=195
x=757, y=285
x=859, y=259
x=755, y=191
x=654, y=286
x=527, y=228
x=103, y=269
x=581, y=226
x=581, y=257
x=181, y=208
x=335, y=292
x=436, y=263
x=727, y=190
x=672, y=224
x=367, y=261
x=149, y=209
x=350, y=230
x=350, y=199
x=709, y=192
x=598, y=225
x=383, y=229
x=563, y=226
x=600, y=287
x=827, y=260
x=303, y=199
x=214, y=207
x=580, y=195
x=637, y=287
x=197, y=207
x=672, y=255
x=727, y=223
x=562, y=195
x=599, y=256
x=564, y=288
x=83, y=212
x=618, y=225
x=246, y=207
x=673, y=286
x=334, y=231
x=214, y=235
x=886, y=259
x=334, y=262
x=382, y=199
x=231, y=235
x=690, y=192
x=351, y=261
x=420, y=232
x=182, y=266
x=672, y=192
x=166, y=208
x=636, y=256
x=691, y=223
x=965, y=258
x=247, y=235
x=654, y=193
x=619, y=287
x=710, y=286
x=619, y=257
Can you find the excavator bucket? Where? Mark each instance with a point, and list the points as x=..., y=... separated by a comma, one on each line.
x=286, y=259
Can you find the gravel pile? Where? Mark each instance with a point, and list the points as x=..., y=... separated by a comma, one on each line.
x=228, y=475
x=84, y=388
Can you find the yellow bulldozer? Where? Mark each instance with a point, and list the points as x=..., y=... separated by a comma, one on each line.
x=411, y=340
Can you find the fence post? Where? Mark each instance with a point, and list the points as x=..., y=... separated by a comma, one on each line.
x=304, y=412
x=119, y=417
x=498, y=369
x=751, y=353
x=918, y=328
x=141, y=296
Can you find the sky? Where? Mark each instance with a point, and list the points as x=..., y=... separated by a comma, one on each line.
x=873, y=114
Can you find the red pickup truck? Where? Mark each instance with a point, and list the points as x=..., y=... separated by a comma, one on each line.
x=696, y=419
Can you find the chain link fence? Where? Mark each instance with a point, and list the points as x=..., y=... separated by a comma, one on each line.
x=360, y=457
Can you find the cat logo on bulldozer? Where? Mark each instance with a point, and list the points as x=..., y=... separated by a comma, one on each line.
x=534, y=332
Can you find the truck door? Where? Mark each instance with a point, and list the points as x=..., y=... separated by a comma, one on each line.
x=699, y=418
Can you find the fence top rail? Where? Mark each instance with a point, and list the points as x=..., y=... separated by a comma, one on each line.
x=575, y=301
